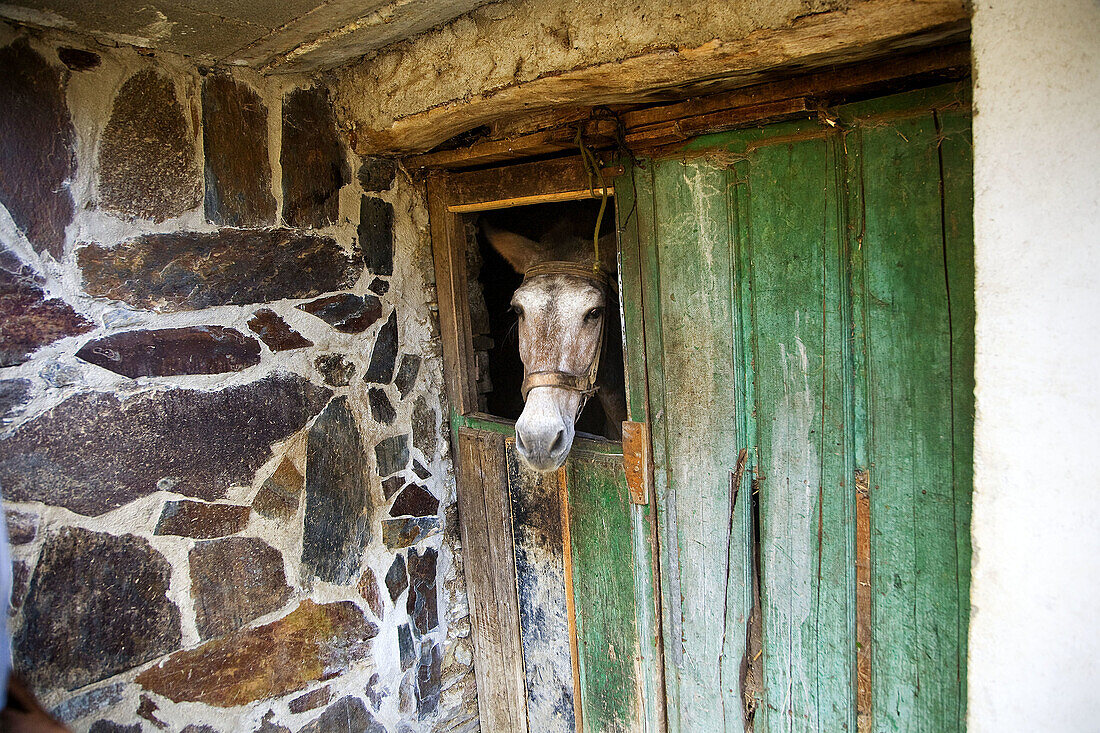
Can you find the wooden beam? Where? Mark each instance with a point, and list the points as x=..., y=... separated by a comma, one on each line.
x=863, y=30
x=487, y=557
x=654, y=126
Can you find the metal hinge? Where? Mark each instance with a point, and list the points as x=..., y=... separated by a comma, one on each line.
x=637, y=462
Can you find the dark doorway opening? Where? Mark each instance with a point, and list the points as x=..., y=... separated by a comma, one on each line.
x=494, y=324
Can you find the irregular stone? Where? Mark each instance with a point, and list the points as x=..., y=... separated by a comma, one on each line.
x=376, y=234
x=173, y=351
x=377, y=174
x=374, y=691
x=346, y=312
x=335, y=369
x=314, y=168
x=311, y=700
x=405, y=532
x=86, y=703
x=22, y=526
x=58, y=374
x=379, y=286
x=392, y=485
x=397, y=579
x=108, y=726
x=233, y=581
x=381, y=409
x=421, y=604
x=368, y=588
x=198, y=729
x=428, y=680
x=392, y=454
x=147, y=152
x=275, y=332
x=14, y=395
x=78, y=59
x=337, y=500
x=382, y=359
x=425, y=427
x=37, y=159
x=20, y=577
x=421, y=472
x=95, y=452
x=147, y=709
x=268, y=725
x=406, y=694
x=405, y=648
x=200, y=520
x=346, y=715
x=29, y=319
x=234, y=139
x=180, y=271
x=406, y=374
x=415, y=501
x=280, y=494
x=97, y=606
x=312, y=643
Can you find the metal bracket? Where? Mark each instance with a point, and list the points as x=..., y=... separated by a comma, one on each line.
x=637, y=462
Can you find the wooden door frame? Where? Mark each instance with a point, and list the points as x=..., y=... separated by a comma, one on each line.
x=454, y=195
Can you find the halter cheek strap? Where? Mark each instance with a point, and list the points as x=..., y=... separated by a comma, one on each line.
x=583, y=383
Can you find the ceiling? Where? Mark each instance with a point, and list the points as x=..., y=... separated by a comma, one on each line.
x=268, y=35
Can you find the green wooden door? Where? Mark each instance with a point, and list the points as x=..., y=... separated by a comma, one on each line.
x=801, y=299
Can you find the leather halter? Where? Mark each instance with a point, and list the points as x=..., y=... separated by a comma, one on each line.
x=583, y=383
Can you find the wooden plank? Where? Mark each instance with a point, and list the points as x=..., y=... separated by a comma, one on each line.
x=833, y=84
x=539, y=548
x=699, y=396
x=629, y=218
x=957, y=166
x=491, y=581
x=600, y=528
x=869, y=30
x=652, y=125
x=916, y=670
x=677, y=131
x=566, y=175
x=542, y=198
x=598, y=134
x=798, y=277
x=449, y=256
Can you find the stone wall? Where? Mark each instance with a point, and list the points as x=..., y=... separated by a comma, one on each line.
x=227, y=484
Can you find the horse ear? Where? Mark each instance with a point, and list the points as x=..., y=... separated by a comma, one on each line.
x=519, y=251
x=609, y=246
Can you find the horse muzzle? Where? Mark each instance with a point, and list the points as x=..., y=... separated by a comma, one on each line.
x=544, y=432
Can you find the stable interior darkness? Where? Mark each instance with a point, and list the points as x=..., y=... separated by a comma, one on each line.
x=499, y=281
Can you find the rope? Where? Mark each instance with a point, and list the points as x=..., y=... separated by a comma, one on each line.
x=592, y=166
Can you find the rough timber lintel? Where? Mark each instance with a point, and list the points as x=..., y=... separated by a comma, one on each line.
x=865, y=30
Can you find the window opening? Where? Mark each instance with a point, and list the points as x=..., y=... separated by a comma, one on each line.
x=492, y=281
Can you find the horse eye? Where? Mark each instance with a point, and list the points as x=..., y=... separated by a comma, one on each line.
x=593, y=315
x=518, y=310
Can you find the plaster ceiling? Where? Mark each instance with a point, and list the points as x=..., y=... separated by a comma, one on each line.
x=269, y=35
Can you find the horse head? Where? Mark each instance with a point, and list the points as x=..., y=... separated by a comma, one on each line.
x=561, y=310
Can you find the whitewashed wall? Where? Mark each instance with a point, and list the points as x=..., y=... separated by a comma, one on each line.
x=1035, y=626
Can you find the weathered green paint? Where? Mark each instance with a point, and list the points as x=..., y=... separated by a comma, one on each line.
x=793, y=284
x=630, y=222
x=603, y=593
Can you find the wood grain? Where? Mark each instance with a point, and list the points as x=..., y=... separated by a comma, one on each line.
x=491, y=581
x=863, y=30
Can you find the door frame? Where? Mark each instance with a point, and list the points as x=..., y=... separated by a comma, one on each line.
x=498, y=666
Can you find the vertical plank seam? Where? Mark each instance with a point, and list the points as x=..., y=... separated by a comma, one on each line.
x=951, y=395
x=570, y=601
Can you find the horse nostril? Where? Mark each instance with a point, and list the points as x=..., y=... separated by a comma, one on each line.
x=557, y=441
x=519, y=443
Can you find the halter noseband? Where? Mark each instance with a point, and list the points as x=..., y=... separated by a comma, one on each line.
x=583, y=383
